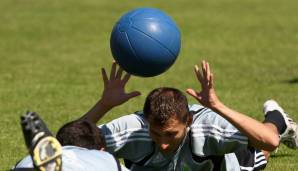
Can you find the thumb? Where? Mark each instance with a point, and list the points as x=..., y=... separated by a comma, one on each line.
x=133, y=94
x=193, y=93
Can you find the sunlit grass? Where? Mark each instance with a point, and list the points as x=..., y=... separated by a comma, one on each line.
x=52, y=52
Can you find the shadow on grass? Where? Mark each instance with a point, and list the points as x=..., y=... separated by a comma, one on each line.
x=281, y=155
x=292, y=81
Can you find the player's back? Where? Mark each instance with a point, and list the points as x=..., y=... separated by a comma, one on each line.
x=80, y=159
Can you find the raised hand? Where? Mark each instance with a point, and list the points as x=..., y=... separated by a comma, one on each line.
x=114, y=87
x=207, y=96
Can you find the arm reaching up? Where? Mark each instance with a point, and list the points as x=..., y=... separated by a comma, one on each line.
x=259, y=135
x=113, y=94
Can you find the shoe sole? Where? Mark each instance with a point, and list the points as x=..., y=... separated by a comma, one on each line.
x=47, y=155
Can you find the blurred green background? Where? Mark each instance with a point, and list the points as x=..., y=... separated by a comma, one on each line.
x=52, y=52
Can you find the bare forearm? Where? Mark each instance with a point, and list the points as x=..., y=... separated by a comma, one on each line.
x=259, y=135
x=96, y=112
x=113, y=94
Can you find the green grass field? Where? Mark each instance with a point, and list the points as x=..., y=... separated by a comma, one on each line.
x=51, y=53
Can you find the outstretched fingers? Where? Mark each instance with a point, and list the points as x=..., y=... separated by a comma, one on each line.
x=194, y=94
x=203, y=74
x=116, y=74
x=119, y=73
x=104, y=76
x=204, y=70
x=211, y=82
x=207, y=94
x=198, y=73
x=210, y=76
x=113, y=71
x=126, y=78
x=133, y=94
x=207, y=71
x=207, y=74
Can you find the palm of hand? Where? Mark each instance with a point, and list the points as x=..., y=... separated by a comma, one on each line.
x=114, y=93
x=114, y=88
x=207, y=96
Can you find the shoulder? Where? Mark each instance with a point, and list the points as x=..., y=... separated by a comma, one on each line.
x=135, y=120
x=25, y=162
x=204, y=115
x=133, y=123
x=195, y=107
x=77, y=158
x=79, y=153
x=80, y=159
x=127, y=135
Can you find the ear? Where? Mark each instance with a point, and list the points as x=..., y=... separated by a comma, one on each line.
x=189, y=120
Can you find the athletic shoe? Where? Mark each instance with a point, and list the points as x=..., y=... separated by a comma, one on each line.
x=290, y=136
x=45, y=150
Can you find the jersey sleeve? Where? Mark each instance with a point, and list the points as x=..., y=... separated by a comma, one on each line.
x=25, y=163
x=211, y=134
x=81, y=159
x=128, y=137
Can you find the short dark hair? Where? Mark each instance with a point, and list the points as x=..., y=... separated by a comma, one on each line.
x=82, y=134
x=164, y=103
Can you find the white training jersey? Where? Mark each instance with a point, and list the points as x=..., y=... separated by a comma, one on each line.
x=80, y=159
x=210, y=138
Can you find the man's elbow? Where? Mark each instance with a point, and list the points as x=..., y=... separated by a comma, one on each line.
x=273, y=143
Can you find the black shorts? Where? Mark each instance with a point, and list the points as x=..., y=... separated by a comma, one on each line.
x=251, y=159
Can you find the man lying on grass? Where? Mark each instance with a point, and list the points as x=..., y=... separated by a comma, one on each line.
x=171, y=135
x=82, y=147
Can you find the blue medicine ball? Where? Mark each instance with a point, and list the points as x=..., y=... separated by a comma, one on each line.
x=145, y=42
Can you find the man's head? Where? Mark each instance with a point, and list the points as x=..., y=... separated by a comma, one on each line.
x=166, y=110
x=82, y=134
